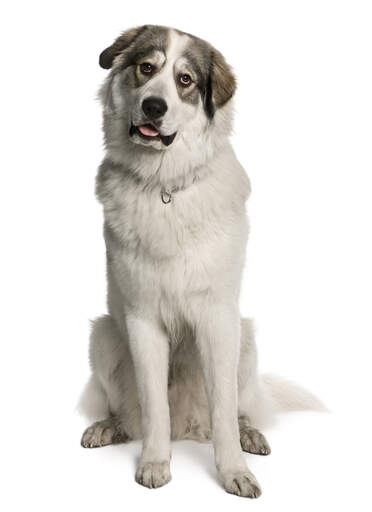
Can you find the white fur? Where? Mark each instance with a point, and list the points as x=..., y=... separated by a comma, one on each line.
x=174, y=274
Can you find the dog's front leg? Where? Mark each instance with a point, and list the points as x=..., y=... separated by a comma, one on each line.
x=150, y=352
x=218, y=339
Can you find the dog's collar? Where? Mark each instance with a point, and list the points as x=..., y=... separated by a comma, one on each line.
x=166, y=195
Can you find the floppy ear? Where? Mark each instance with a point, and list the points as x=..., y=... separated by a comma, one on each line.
x=121, y=43
x=221, y=83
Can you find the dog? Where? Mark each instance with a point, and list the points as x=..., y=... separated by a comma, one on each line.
x=173, y=359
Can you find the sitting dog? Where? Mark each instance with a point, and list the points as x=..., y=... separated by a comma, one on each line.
x=173, y=359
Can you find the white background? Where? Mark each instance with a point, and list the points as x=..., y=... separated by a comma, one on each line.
x=303, y=133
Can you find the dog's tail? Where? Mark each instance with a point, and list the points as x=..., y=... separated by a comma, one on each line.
x=265, y=395
x=285, y=395
x=268, y=395
x=93, y=401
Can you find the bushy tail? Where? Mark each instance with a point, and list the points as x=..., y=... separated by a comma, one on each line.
x=93, y=401
x=285, y=395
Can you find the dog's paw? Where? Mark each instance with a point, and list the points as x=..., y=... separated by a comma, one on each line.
x=103, y=433
x=253, y=441
x=241, y=483
x=153, y=474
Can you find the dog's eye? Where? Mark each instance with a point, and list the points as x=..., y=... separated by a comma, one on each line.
x=146, y=68
x=185, y=80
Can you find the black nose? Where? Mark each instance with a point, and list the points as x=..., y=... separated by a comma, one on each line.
x=154, y=107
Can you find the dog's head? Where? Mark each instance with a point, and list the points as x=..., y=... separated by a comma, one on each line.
x=164, y=84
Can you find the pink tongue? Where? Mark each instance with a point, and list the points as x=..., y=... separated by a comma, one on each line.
x=148, y=130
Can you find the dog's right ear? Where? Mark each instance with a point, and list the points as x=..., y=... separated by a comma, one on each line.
x=120, y=44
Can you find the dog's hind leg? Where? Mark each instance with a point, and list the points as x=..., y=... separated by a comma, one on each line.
x=105, y=432
x=251, y=439
x=110, y=395
x=252, y=403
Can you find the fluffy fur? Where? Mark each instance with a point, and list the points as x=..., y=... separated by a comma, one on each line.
x=173, y=358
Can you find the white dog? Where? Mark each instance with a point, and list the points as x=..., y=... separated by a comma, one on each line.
x=173, y=358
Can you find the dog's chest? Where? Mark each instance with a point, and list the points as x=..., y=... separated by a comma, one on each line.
x=166, y=252
x=152, y=229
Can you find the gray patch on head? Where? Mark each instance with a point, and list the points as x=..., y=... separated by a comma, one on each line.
x=151, y=39
x=215, y=79
x=198, y=53
x=190, y=94
x=122, y=42
x=197, y=57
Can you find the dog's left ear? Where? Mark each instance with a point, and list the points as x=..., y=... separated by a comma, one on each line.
x=221, y=84
x=107, y=57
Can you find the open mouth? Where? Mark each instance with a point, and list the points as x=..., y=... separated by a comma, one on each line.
x=149, y=132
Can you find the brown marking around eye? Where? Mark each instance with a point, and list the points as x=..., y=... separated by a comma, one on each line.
x=216, y=81
x=190, y=92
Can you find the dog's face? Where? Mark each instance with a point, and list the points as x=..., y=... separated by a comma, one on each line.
x=164, y=79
